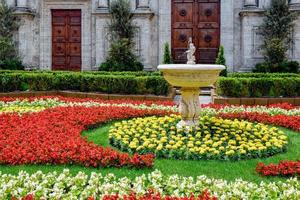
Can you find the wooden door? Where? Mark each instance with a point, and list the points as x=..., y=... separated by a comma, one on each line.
x=199, y=19
x=66, y=40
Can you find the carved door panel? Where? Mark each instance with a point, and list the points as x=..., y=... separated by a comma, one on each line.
x=208, y=30
x=66, y=40
x=182, y=27
x=199, y=19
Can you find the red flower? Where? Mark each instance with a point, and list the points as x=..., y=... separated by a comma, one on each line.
x=284, y=168
x=151, y=195
x=54, y=137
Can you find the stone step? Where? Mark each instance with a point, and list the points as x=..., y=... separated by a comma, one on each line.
x=204, y=92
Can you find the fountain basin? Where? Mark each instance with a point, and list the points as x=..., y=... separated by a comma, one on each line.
x=190, y=78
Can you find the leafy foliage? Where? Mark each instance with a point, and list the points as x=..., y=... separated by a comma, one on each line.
x=9, y=24
x=283, y=67
x=121, y=58
x=7, y=49
x=121, y=55
x=167, y=54
x=221, y=60
x=276, y=32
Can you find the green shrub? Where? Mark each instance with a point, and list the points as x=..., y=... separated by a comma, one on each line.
x=85, y=82
x=221, y=60
x=291, y=66
x=275, y=52
x=263, y=75
x=283, y=67
x=259, y=87
x=276, y=32
x=9, y=23
x=11, y=64
x=121, y=56
x=125, y=73
x=167, y=54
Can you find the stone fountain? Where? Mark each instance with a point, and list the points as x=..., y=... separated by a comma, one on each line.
x=190, y=77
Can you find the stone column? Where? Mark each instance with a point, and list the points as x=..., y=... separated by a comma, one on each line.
x=11, y=3
x=22, y=4
x=250, y=4
x=104, y=4
x=143, y=4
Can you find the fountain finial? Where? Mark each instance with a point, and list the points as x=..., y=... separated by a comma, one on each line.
x=191, y=60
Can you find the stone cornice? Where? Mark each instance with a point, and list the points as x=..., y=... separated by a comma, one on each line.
x=251, y=12
x=24, y=12
x=254, y=11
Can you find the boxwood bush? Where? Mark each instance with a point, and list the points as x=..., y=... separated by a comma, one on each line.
x=140, y=73
x=261, y=75
x=259, y=87
x=236, y=85
x=118, y=83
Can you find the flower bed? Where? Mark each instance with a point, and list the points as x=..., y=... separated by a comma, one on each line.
x=275, y=109
x=213, y=139
x=25, y=105
x=150, y=195
x=292, y=122
x=53, y=136
x=284, y=168
x=82, y=186
x=284, y=115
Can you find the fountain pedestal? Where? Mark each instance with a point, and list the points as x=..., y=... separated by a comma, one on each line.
x=190, y=77
x=189, y=107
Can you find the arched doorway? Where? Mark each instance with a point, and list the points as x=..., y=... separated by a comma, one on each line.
x=199, y=19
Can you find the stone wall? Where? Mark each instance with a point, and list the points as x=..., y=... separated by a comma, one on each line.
x=240, y=21
x=251, y=16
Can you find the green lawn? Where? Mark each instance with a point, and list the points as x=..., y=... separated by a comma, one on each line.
x=217, y=169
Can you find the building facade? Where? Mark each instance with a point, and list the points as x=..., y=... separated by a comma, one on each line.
x=73, y=34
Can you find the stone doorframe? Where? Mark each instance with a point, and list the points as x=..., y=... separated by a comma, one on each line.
x=46, y=31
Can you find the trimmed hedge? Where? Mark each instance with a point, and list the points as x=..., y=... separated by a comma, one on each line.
x=84, y=82
x=259, y=87
x=262, y=75
x=140, y=73
x=236, y=85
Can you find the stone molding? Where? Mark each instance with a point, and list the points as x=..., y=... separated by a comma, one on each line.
x=250, y=4
x=103, y=4
x=252, y=12
x=143, y=4
x=294, y=3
